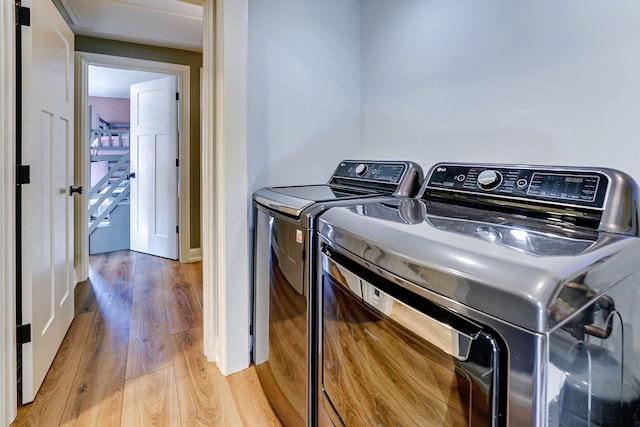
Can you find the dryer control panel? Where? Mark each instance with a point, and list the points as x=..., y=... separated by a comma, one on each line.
x=397, y=178
x=373, y=171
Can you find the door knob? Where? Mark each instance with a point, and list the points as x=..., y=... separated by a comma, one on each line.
x=132, y=175
x=73, y=189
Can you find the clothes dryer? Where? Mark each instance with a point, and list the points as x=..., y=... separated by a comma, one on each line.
x=285, y=327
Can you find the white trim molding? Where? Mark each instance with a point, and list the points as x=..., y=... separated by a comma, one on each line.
x=83, y=60
x=195, y=255
x=208, y=187
x=226, y=244
x=8, y=347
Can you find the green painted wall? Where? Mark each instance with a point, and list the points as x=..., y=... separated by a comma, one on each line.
x=172, y=56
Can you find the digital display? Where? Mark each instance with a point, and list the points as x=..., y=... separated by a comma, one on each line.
x=574, y=179
x=565, y=187
x=389, y=173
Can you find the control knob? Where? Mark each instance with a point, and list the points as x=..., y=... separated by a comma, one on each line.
x=489, y=179
x=362, y=169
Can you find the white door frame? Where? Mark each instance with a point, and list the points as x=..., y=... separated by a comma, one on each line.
x=225, y=189
x=8, y=346
x=83, y=60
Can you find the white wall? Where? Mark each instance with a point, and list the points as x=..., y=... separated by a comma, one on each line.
x=303, y=89
x=503, y=81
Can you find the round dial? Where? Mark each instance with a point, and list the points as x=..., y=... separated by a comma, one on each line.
x=489, y=179
x=361, y=169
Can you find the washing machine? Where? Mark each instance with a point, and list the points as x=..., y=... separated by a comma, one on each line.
x=513, y=301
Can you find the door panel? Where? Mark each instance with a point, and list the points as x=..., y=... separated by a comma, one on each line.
x=154, y=147
x=47, y=211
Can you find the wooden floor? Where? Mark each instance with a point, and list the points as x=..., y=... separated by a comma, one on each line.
x=133, y=355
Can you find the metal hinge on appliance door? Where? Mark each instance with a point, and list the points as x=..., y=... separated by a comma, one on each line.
x=23, y=334
x=23, y=16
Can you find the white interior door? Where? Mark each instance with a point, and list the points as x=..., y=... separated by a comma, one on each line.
x=154, y=172
x=47, y=209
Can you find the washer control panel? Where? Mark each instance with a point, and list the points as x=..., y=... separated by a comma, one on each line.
x=371, y=171
x=578, y=187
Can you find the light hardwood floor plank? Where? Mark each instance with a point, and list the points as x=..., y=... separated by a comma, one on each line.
x=145, y=262
x=97, y=393
x=119, y=364
x=52, y=397
x=255, y=410
x=85, y=298
x=183, y=308
x=203, y=393
x=149, y=343
x=113, y=271
x=194, y=270
x=151, y=400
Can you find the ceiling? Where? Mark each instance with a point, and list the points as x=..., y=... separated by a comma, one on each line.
x=115, y=83
x=169, y=23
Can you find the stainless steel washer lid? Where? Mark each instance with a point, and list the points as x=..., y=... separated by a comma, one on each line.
x=295, y=199
x=511, y=283
x=352, y=179
x=279, y=201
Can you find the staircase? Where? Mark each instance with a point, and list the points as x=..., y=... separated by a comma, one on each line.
x=109, y=203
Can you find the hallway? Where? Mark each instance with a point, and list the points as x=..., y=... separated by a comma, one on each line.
x=133, y=355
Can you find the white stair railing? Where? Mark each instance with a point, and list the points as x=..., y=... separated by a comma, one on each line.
x=107, y=201
x=111, y=206
x=111, y=173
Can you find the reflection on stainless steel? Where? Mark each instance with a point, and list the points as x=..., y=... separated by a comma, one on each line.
x=593, y=383
x=390, y=369
x=568, y=310
x=287, y=363
x=418, y=252
x=287, y=245
x=517, y=238
x=406, y=211
x=441, y=335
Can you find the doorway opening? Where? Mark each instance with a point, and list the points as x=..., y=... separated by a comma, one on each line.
x=110, y=176
x=87, y=213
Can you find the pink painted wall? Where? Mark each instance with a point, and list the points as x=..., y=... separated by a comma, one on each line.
x=110, y=109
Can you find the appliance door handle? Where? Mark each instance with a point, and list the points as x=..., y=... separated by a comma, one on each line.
x=441, y=335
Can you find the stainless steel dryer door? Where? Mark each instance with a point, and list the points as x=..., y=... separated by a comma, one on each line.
x=390, y=357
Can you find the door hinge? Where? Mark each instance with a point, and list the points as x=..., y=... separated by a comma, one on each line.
x=23, y=16
x=23, y=334
x=23, y=174
x=177, y=163
x=251, y=329
x=177, y=229
x=177, y=96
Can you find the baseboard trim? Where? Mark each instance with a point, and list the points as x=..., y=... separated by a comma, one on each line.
x=195, y=255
